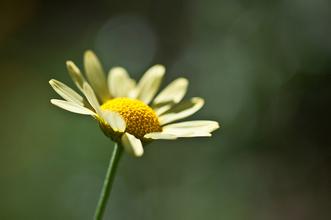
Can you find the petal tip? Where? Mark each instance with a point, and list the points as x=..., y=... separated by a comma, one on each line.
x=158, y=68
x=89, y=53
x=183, y=80
x=69, y=62
x=198, y=99
x=118, y=68
x=71, y=67
x=51, y=81
x=139, y=153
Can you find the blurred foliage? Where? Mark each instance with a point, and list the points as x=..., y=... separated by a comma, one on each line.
x=262, y=66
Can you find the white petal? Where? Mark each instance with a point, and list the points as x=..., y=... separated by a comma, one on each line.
x=159, y=110
x=160, y=135
x=66, y=92
x=185, y=133
x=95, y=75
x=119, y=82
x=132, y=145
x=182, y=110
x=192, y=126
x=174, y=92
x=115, y=120
x=75, y=75
x=72, y=107
x=193, y=134
x=90, y=95
x=150, y=83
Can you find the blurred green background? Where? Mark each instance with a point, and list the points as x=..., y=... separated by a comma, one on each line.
x=262, y=66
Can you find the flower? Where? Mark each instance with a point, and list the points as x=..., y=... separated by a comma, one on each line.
x=127, y=111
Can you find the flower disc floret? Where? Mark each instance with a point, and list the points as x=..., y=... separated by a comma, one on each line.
x=140, y=118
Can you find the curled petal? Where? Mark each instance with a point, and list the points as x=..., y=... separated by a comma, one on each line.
x=132, y=145
x=174, y=92
x=115, y=120
x=150, y=83
x=160, y=135
x=72, y=107
x=66, y=92
x=192, y=126
x=119, y=82
x=182, y=110
x=75, y=75
x=168, y=135
x=96, y=76
x=92, y=99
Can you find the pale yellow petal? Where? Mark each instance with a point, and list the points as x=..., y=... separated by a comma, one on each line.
x=66, y=92
x=92, y=99
x=115, y=120
x=96, y=76
x=182, y=110
x=160, y=135
x=193, y=134
x=161, y=109
x=75, y=75
x=192, y=126
x=132, y=145
x=72, y=107
x=119, y=82
x=150, y=83
x=174, y=92
x=186, y=133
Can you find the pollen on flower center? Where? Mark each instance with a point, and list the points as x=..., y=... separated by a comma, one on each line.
x=140, y=118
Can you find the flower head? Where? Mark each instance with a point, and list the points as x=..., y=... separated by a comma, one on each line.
x=127, y=111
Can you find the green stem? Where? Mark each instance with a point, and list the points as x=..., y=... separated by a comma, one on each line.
x=108, y=182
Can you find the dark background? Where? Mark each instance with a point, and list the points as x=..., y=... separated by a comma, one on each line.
x=263, y=68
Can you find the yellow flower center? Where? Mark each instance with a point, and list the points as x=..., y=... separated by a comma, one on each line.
x=140, y=118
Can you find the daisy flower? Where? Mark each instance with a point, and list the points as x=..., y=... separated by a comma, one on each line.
x=132, y=113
